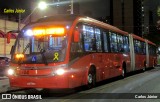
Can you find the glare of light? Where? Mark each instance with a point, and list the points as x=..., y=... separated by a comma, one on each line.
x=52, y=31
x=120, y=69
x=19, y=56
x=72, y=76
x=67, y=27
x=125, y=55
x=42, y=5
x=55, y=31
x=60, y=71
x=10, y=71
x=38, y=32
x=29, y=32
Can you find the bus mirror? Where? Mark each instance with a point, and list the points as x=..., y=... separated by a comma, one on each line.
x=76, y=36
x=8, y=37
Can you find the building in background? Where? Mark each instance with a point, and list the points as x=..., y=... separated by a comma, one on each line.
x=129, y=15
x=7, y=25
x=136, y=16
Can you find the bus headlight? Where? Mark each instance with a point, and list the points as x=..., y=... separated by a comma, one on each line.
x=60, y=71
x=10, y=72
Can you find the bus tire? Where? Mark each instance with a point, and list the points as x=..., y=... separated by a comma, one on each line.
x=124, y=70
x=91, y=78
x=144, y=68
x=154, y=64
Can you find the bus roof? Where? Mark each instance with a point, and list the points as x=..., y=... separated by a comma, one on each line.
x=58, y=18
x=79, y=18
x=139, y=38
x=85, y=19
x=101, y=24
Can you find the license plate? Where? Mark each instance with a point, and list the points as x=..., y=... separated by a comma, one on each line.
x=25, y=72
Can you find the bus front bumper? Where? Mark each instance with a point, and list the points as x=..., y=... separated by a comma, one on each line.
x=54, y=82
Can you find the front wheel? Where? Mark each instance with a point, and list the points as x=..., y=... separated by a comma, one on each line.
x=91, y=79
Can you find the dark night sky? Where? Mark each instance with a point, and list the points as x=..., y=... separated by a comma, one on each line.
x=15, y=4
x=95, y=7
x=98, y=8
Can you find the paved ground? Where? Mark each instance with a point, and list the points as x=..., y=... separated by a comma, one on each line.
x=114, y=90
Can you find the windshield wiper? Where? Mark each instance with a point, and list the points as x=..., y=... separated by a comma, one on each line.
x=28, y=45
x=42, y=51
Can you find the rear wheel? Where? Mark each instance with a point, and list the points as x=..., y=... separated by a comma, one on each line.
x=123, y=70
x=154, y=64
x=144, y=68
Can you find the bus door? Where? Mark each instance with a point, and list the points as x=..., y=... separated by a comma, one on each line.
x=132, y=53
x=147, y=54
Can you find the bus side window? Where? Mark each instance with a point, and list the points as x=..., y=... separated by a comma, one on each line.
x=135, y=46
x=143, y=47
x=98, y=40
x=105, y=41
x=120, y=43
x=113, y=42
x=89, y=38
x=126, y=44
x=76, y=47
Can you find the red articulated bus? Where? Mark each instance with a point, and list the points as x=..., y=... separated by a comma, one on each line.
x=69, y=51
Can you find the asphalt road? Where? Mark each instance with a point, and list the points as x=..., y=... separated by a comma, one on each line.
x=134, y=88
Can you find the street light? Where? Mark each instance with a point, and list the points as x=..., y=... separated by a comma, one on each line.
x=71, y=7
x=42, y=5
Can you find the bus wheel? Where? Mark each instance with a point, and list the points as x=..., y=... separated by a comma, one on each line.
x=124, y=70
x=154, y=64
x=144, y=68
x=91, y=78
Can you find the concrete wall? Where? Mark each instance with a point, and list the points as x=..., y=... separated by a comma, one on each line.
x=6, y=48
x=7, y=26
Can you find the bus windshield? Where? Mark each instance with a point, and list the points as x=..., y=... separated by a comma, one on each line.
x=40, y=49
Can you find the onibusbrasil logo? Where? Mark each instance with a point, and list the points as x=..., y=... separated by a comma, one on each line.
x=16, y=96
